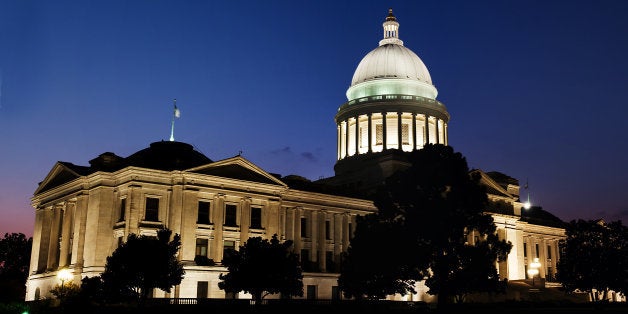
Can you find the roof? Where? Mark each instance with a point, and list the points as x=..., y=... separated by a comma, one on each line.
x=162, y=155
x=536, y=215
x=167, y=156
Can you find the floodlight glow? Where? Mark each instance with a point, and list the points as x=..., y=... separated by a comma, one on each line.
x=65, y=275
x=527, y=205
x=535, y=264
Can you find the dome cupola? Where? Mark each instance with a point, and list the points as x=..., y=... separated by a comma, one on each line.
x=391, y=68
x=391, y=108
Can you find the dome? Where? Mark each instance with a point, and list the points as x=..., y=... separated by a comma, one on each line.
x=391, y=61
x=391, y=68
x=168, y=156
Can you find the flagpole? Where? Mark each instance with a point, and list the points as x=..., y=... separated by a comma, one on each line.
x=174, y=115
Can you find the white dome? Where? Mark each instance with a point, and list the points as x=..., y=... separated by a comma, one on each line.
x=391, y=61
x=391, y=68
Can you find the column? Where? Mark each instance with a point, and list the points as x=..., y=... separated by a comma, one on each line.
x=427, y=129
x=370, y=132
x=322, y=241
x=399, y=135
x=436, y=130
x=68, y=214
x=313, y=224
x=384, y=135
x=135, y=210
x=298, y=241
x=188, y=225
x=176, y=210
x=413, y=131
x=446, y=133
x=272, y=218
x=38, y=235
x=218, y=213
x=339, y=239
x=80, y=226
x=290, y=223
x=347, y=138
x=357, y=134
x=282, y=223
x=245, y=218
x=339, y=135
x=346, y=233
x=53, y=247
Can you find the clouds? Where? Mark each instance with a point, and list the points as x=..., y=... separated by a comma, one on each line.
x=286, y=152
x=286, y=160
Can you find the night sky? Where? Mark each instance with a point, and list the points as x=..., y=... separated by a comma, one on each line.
x=537, y=90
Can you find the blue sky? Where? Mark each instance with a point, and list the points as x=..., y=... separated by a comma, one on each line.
x=536, y=89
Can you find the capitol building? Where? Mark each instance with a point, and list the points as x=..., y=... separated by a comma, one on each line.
x=83, y=212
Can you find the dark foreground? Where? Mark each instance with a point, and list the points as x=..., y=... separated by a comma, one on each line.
x=305, y=306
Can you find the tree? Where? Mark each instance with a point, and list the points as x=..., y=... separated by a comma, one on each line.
x=15, y=255
x=143, y=263
x=438, y=203
x=594, y=258
x=376, y=242
x=263, y=266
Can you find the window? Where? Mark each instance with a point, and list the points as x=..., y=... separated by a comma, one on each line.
x=202, y=289
x=327, y=230
x=311, y=292
x=122, y=210
x=152, y=209
x=201, y=247
x=335, y=293
x=228, y=248
x=303, y=227
x=203, y=213
x=329, y=261
x=363, y=137
x=536, y=249
x=549, y=252
x=405, y=134
x=256, y=218
x=305, y=256
x=525, y=249
x=379, y=134
x=230, y=215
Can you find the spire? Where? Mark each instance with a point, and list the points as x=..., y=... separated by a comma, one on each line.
x=391, y=30
x=391, y=16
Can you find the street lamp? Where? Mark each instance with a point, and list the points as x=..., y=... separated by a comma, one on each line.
x=64, y=275
x=534, y=269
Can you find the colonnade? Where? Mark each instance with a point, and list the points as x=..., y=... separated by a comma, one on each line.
x=376, y=132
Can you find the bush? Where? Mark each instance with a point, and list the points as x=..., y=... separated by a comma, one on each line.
x=204, y=261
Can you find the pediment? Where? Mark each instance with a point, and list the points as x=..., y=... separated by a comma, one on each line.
x=61, y=173
x=237, y=168
x=493, y=187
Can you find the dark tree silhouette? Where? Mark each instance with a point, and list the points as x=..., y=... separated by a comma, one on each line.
x=374, y=265
x=436, y=203
x=594, y=258
x=263, y=266
x=143, y=263
x=15, y=255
